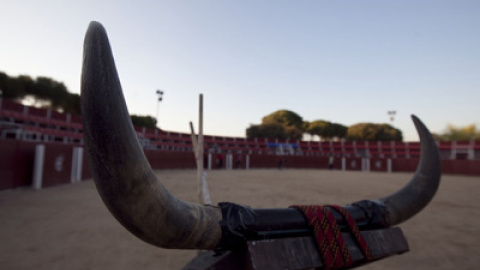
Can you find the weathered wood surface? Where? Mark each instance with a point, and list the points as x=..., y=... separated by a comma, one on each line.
x=298, y=253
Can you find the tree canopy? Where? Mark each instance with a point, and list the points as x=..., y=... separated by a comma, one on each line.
x=48, y=93
x=453, y=133
x=373, y=132
x=285, y=118
x=272, y=130
x=143, y=121
x=44, y=91
x=282, y=124
x=326, y=130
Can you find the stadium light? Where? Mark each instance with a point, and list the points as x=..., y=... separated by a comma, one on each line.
x=392, y=115
x=159, y=99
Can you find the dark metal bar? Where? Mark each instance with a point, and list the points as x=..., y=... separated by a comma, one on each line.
x=240, y=223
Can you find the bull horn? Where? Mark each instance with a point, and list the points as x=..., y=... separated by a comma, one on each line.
x=132, y=193
x=122, y=174
x=414, y=196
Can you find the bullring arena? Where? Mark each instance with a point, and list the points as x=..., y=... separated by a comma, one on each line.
x=68, y=227
x=53, y=217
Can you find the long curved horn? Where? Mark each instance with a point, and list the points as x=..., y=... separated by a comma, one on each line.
x=122, y=174
x=141, y=203
x=414, y=196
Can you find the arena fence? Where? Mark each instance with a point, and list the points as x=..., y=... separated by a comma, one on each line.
x=27, y=164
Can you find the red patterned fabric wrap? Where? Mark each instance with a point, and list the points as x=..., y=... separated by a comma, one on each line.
x=332, y=247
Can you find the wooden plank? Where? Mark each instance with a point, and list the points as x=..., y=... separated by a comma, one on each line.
x=302, y=252
x=297, y=253
x=209, y=260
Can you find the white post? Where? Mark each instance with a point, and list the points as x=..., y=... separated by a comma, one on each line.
x=38, y=166
x=344, y=164
x=73, y=171
x=209, y=161
x=77, y=163
x=194, y=143
x=230, y=161
x=389, y=165
x=471, y=149
x=247, y=162
x=203, y=193
x=365, y=164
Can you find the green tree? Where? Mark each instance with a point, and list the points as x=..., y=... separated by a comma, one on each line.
x=306, y=129
x=15, y=88
x=339, y=130
x=50, y=91
x=293, y=133
x=72, y=104
x=143, y=121
x=44, y=91
x=270, y=130
x=281, y=124
x=320, y=128
x=285, y=118
x=453, y=133
x=373, y=132
x=327, y=130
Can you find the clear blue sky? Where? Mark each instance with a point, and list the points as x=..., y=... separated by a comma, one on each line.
x=342, y=61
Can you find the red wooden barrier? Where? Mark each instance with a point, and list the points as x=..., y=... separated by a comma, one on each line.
x=353, y=164
x=170, y=160
x=404, y=164
x=305, y=162
x=378, y=165
x=16, y=163
x=17, y=159
x=263, y=161
x=469, y=167
x=57, y=166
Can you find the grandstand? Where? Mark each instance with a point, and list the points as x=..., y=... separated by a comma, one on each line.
x=23, y=128
x=25, y=123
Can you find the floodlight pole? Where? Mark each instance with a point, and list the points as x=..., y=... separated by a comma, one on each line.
x=159, y=99
x=392, y=115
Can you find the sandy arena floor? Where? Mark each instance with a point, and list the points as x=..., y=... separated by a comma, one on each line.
x=68, y=227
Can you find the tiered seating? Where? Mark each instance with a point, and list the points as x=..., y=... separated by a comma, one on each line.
x=414, y=149
x=33, y=124
x=401, y=150
x=387, y=149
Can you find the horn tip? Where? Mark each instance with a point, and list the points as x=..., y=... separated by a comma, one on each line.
x=95, y=29
x=420, y=126
x=415, y=119
x=95, y=25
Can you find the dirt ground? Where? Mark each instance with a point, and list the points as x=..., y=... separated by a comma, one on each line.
x=68, y=227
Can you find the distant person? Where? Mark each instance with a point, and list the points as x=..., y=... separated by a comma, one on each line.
x=220, y=161
x=239, y=161
x=330, y=162
x=280, y=162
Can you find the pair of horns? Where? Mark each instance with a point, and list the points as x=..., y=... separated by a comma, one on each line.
x=133, y=194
